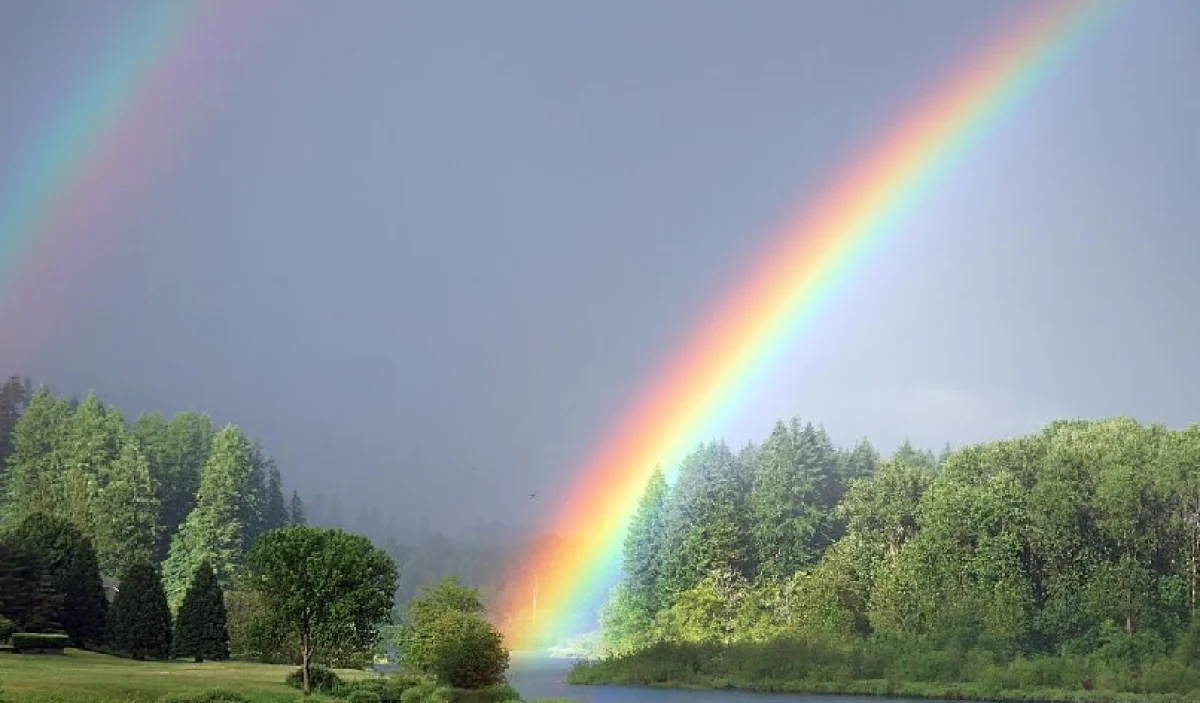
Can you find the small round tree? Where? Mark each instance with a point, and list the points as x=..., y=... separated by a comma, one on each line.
x=201, y=630
x=139, y=621
x=448, y=636
x=326, y=585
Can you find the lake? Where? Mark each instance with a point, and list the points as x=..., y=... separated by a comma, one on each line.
x=542, y=677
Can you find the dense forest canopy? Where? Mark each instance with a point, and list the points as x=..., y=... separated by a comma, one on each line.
x=1081, y=537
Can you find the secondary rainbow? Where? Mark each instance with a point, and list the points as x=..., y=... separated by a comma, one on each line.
x=738, y=343
x=83, y=171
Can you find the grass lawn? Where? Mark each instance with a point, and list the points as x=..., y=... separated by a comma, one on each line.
x=78, y=676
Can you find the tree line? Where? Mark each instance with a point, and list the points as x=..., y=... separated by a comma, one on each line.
x=1081, y=540
x=171, y=491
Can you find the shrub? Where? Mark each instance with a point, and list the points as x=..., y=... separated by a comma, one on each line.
x=466, y=651
x=322, y=679
x=363, y=696
x=38, y=642
x=7, y=628
x=212, y=695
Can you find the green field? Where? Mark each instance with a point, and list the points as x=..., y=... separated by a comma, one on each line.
x=78, y=676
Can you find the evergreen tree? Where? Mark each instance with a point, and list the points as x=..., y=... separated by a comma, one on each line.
x=214, y=528
x=786, y=518
x=296, y=511
x=139, y=622
x=201, y=631
x=62, y=562
x=34, y=482
x=175, y=451
x=13, y=397
x=252, y=503
x=29, y=595
x=643, y=545
x=94, y=437
x=276, y=513
x=127, y=513
x=707, y=525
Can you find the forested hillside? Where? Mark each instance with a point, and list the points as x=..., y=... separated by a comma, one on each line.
x=168, y=490
x=1080, y=542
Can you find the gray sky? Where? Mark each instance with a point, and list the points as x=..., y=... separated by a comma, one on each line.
x=405, y=239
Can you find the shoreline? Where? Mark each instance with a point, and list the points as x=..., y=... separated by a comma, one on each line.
x=884, y=689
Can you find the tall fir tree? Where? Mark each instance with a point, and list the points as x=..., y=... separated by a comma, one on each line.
x=296, y=514
x=13, y=397
x=786, y=518
x=641, y=560
x=139, y=622
x=201, y=630
x=176, y=451
x=63, y=560
x=252, y=506
x=126, y=517
x=275, y=514
x=34, y=482
x=214, y=528
x=707, y=525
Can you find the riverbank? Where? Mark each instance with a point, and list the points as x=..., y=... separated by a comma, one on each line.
x=774, y=669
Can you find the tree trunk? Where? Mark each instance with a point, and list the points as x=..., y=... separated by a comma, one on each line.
x=1128, y=623
x=304, y=654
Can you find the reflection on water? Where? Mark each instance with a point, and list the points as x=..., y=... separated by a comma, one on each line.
x=541, y=677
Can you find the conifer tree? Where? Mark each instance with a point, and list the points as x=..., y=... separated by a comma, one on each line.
x=275, y=514
x=13, y=398
x=214, y=528
x=62, y=563
x=33, y=482
x=201, y=630
x=127, y=513
x=644, y=542
x=139, y=622
x=296, y=511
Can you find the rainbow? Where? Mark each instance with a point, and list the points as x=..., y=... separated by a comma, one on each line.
x=80, y=175
x=738, y=343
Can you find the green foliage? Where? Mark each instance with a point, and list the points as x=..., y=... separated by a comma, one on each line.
x=58, y=580
x=296, y=515
x=329, y=586
x=214, y=529
x=126, y=512
x=466, y=652
x=14, y=395
x=200, y=628
x=7, y=628
x=707, y=525
x=39, y=642
x=1076, y=550
x=319, y=679
x=34, y=481
x=139, y=621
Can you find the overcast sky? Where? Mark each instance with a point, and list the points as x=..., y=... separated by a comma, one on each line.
x=401, y=240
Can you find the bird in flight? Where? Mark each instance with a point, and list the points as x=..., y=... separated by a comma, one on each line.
x=533, y=495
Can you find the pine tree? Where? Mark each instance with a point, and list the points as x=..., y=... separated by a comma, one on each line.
x=707, y=525
x=296, y=511
x=214, y=528
x=275, y=514
x=201, y=631
x=12, y=402
x=63, y=562
x=252, y=506
x=175, y=451
x=127, y=513
x=643, y=545
x=139, y=622
x=34, y=480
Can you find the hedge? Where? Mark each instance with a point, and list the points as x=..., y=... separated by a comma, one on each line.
x=38, y=642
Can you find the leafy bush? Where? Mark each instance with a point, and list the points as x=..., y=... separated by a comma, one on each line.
x=466, y=651
x=212, y=695
x=500, y=693
x=322, y=679
x=384, y=689
x=38, y=642
x=7, y=628
x=362, y=695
